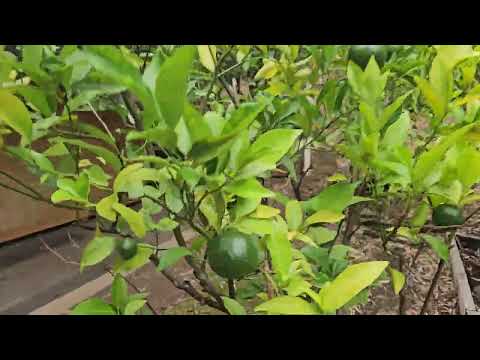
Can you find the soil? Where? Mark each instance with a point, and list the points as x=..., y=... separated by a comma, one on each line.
x=368, y=247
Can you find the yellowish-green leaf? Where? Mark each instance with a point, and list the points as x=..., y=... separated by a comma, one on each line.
x=207, y=55
x=97, y=250
x=324, y=216
x=14, y=113
x=265, y=212
x=104, y=207
x=349, y=283
x=398, y=280
x=337, y=177
x=140, y=259
x=287, y=305
x=133, y=306
x=294, y=214
x=133, y=218
x=233, y=307
x=268, y=70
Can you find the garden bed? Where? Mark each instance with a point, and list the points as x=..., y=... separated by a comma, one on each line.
x=467, y=277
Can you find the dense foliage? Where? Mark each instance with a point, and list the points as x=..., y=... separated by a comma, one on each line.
x=203, y=130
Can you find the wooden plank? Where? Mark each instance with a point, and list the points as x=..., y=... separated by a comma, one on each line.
x=466, y=303
x=63, y=304
x=20, y=215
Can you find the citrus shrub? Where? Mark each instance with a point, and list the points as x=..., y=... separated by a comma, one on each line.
x=198, y=153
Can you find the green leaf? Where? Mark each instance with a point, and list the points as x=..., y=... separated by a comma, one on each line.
x=398, y=280
x=107, y=155
x=72, y=190
x=438, y=246
x=297, y=286
x=336, y=198
x=172, y=256
x=428, y=161
x=339, y=252
x=171, y=83
x=368, y=85
x=324, y=216
x=32, y=55
x=233, y=307
x=133, y=218
x=280, y=248
x=210, y=148
x=151, y=71
x=198, y=244
x=104, y=207
x=468, y=165
x=15, y=114
x=133, y=306
x=294, y=214
x=124, y=175
x=37, y=97
x=131, y=179
x=245, y=206
x=436, y=102
x=207, y=55
x=268, y=70
x=198, y=127
x=255, y=226
x=243, y=117
x=42, y=162
x=97, y=176
x=93, y=307
x=184, y=142
x=163, y=137
x=56, y=150
x=397, y=133
x=215, y=122
x=248, y=188
x=265, y=212
x=392, y=108
x=266, y=151
x=140, y=259
x=277, y=142
x=190, y=176
x=166, y=224
x=317, y=255
x=287, y=305
x=119, y=292
x=110, y=61
x=89, y=92
x=97, y=250
x=349, y=283
x=421, y=214
x=173, y=198
x=321, y=235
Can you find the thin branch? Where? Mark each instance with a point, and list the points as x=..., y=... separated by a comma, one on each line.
x=58, y=255
x=102, y=123
x=188, y=288
x=440, y=267
x=217, y=67
x=71, y=207
x=472, y=214
x=231, y=288
x=197, y=271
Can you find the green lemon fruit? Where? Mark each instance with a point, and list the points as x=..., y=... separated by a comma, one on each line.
x=233, y=254
x=447, y=215
x=127, y=248
x=361, y=54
